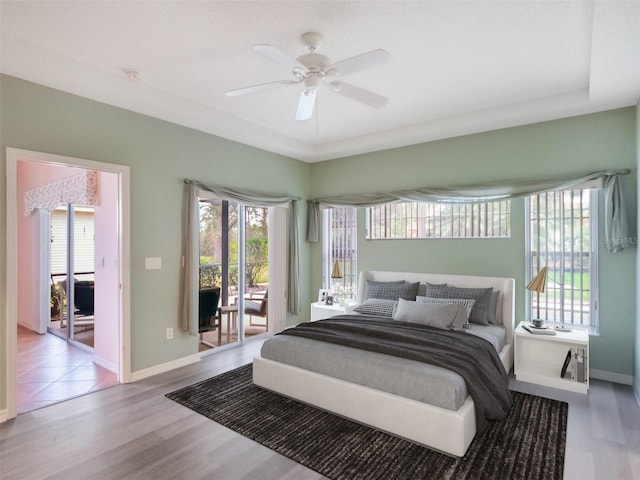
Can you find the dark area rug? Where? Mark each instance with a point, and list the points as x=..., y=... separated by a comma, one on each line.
x=529, y=444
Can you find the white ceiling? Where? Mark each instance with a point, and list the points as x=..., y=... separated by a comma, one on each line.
x=457, y=67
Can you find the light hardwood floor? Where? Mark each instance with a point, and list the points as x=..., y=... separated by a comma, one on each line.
x=133, y=431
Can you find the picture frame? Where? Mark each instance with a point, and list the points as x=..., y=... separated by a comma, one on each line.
x=323, y=293
x=329, y=300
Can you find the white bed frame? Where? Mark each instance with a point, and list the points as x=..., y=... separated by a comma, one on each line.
x=437, y=428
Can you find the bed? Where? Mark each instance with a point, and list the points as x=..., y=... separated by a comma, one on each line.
x=444, y=428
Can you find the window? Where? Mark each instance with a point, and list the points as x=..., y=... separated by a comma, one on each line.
x=562, y=235
x=439, y=220
x=339, y=245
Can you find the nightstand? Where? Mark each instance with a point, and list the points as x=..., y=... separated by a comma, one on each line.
x=319, y=310
x=540, y=358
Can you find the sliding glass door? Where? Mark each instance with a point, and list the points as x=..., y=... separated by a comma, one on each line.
x=233, y=266
x=72, y=294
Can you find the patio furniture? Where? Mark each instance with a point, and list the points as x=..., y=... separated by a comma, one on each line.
x=209, y=314
x=231, y=312
x=255, y=305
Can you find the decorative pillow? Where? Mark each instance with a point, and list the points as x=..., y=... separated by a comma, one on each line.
x=446, y=316
x=377, y=306
x=391, y=290
x=492, y=314
x=482, y=296
x=467, y=303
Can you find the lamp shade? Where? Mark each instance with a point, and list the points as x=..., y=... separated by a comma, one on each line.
x=337, y=271
x=538, y=283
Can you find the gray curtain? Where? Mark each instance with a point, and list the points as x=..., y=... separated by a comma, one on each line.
x=190, y=274
x=615, y=217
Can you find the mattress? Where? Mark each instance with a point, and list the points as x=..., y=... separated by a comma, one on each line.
x=407, y=378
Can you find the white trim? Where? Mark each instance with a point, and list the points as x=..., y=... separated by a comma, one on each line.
x=164, y=367
x=4, y=416
x=11, y=284
x=44, y=289
x=636, y=389
x=13, y=155
x=611, y=376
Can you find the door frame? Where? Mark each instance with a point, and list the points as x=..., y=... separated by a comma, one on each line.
x=277, y=304
x=13, y=155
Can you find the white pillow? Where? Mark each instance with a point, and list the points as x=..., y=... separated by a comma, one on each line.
x=468, y=303
x=446, y=316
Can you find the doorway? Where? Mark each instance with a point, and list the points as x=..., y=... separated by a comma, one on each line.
x=233, y=271
x=112, y=260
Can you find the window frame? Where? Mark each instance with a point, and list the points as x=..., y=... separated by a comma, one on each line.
x=593, y=324
x=454, y=220
x=328, y=259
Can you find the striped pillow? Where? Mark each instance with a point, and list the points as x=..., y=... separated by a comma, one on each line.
x=391, y=290
x=377, y=306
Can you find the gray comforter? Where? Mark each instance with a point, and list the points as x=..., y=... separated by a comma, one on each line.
x=473, y=358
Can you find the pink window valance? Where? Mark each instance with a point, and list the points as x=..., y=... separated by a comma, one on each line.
x=81, y=189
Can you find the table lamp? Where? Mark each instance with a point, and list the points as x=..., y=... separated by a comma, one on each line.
x=537, y=284
x=337, y=271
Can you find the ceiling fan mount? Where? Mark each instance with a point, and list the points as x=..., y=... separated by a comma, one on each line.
x=312, y=69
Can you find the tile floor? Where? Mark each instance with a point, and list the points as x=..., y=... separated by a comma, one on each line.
x=49, y=370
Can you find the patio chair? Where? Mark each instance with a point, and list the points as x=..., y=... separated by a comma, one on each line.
x=209, y=314
x=256, y=305
x=83, y=301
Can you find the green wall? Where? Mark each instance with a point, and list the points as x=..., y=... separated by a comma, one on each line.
x=579, y=144
x=160, y=155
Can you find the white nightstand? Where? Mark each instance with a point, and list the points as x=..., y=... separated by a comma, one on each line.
x=539, y=359
x=319, y=310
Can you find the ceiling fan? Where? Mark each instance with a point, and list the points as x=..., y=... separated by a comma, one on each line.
x=313, y=69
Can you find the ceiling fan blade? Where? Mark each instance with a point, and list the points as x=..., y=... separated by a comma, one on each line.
x=279, y=56
x=258, y=88
x=306, y=103
x=359, y=62
x=359, y=94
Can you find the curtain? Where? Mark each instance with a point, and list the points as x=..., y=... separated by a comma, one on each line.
x=190, y=227
x=615, y=220
x=615, y=216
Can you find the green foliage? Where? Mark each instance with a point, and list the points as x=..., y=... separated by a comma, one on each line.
x=211, y=250
x=55, y=302
x=257, y=252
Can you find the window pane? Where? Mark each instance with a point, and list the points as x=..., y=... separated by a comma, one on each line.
x=438, y=220
x=340, y=241
x=562, y=237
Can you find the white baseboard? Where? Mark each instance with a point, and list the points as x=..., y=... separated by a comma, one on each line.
x=164, y=367
x=98, y=360
x=636, y=389
x=4, y=415
x=611, y=376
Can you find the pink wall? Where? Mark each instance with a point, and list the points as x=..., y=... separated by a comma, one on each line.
x=32, y=175
x=107, y=333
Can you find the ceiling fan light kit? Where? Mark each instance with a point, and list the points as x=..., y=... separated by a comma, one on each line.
x=313, y=69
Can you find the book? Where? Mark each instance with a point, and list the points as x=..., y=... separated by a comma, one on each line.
x=538, y=331
x=565, y=365
x=581, y=370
